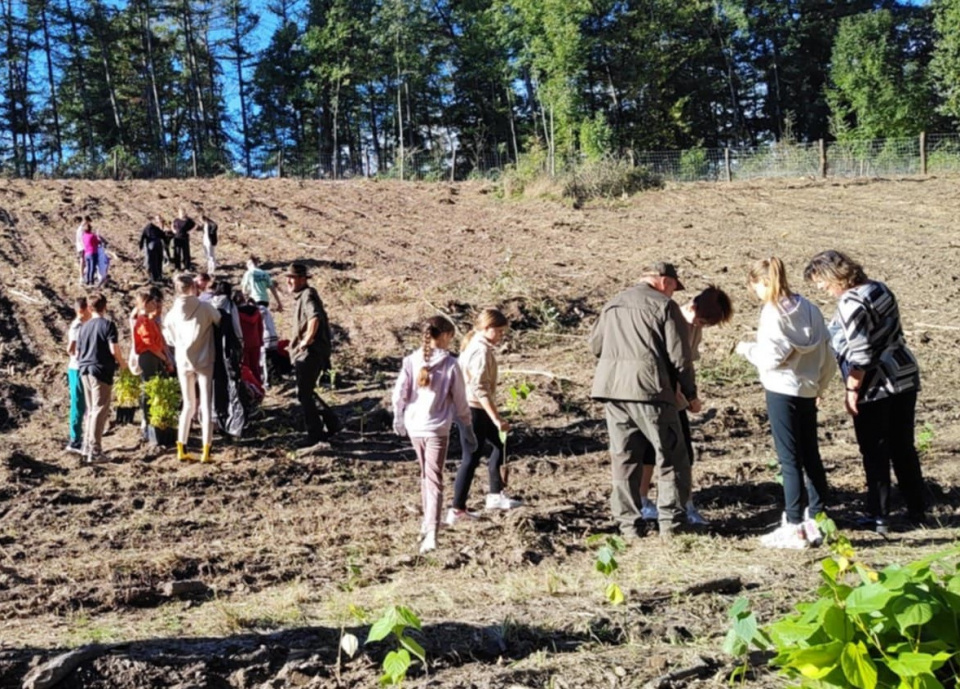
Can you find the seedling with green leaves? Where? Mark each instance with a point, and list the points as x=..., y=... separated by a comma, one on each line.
x=395, y=622
x=606, y=563
x=896, y=627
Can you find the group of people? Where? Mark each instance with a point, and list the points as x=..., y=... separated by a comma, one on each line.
x=221, y=344
x=157, y=237
x=646, y=347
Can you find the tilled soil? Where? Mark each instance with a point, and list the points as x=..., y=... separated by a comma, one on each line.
x=249, y=571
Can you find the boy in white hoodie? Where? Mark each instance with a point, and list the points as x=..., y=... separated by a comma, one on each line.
x=429, y=395
x=792, y=355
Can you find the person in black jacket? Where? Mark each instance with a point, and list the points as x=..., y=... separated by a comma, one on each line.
x=151, y=243
x=182, y=225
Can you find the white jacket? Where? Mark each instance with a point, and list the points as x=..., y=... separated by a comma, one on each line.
x=188, y=328
x=792, y=351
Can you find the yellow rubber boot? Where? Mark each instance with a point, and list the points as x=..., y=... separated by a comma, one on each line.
x=205, y=457
x=182, y=454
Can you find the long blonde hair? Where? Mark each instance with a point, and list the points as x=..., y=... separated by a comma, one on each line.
x=488, y=318
x=432, y=329
x=770, y=273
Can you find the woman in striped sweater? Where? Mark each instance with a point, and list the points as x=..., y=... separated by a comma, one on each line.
x=881, y=378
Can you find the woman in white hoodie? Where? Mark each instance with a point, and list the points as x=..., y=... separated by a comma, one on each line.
x=792, y=355
x=429, y=395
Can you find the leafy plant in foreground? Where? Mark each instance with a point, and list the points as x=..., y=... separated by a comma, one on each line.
x=163, y=398
x=898, y=627
x=126, y=389
x=606, y=563
x=395, y=621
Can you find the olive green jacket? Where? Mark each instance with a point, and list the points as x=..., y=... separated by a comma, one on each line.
x=643, y=348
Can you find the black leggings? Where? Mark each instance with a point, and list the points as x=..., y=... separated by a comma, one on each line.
x=487, y=434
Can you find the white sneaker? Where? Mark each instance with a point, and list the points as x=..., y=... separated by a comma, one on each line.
x=694, y=517
x=649, y=511
x=429, y=542
x=501, y=501
x=811, y=531
x=454, y=516
x=786, y=536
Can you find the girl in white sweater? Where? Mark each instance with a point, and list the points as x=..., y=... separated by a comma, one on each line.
x=428, y=396
x=792, y=355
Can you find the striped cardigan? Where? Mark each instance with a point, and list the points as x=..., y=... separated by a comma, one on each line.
x=866, y=334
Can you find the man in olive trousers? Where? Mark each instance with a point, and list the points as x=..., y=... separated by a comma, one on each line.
x=643, y=352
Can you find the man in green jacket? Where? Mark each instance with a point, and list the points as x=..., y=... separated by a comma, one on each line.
x=643, y=352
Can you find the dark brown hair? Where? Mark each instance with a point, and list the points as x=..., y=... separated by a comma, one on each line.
x=713, y=306
x=432, y=329
x=99, y=303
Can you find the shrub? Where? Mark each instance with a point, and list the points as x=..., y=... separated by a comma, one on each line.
x=607, y=179
x=896, y=627
x=163, y=397
x=126, y=389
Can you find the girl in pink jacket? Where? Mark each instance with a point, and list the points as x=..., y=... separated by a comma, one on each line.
x=428, y=396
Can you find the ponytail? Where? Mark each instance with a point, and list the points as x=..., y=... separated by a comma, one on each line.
x=771, y=273
x=488, y=318
x=431, y=331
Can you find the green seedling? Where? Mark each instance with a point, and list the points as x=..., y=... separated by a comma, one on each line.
x=163, y=396
x=395, y=622
x=606, y=563
x=925, y=439
x=126, y=389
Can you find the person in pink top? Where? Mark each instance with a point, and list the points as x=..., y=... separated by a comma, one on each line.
x=429, y=394
x=91, y=250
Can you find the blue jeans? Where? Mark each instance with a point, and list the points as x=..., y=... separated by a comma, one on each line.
x=77, y=405
x=793, y=423
x=90, y=268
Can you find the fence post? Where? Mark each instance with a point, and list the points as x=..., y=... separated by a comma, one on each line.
x=923, y=153
x=726, y=163
x=823, y=158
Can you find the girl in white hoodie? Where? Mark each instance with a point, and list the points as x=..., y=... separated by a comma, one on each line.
x=792, y=355
x=429, y=395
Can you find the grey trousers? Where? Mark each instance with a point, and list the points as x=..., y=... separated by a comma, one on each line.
x=97, y=397
x=632, y=426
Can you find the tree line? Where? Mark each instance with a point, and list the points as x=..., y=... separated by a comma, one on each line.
x=346, y=87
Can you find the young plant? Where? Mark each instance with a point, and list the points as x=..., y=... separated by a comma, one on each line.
x=743, y=634
x=163, y=398
x=126, y=389
x=925, y=439
x=896, y=627
x=395, y=622
x=606, y=563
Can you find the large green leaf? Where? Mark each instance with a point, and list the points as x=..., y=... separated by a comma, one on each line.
x=867, y=599
x=837, y=625
x=788, y=632
x=407, y=617
x=912, y=613
x=858, y=667
x=381, y=629
x=911, y=664
x=414, y=648
x=395, y=667
x=816, y=662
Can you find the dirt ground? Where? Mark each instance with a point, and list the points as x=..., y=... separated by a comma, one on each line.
x=291, y=552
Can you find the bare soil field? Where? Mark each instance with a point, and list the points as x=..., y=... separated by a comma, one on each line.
x=291, y=552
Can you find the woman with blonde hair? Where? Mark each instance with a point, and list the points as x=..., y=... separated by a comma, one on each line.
x=792, y=355
x=881, y=377
x=478, y=362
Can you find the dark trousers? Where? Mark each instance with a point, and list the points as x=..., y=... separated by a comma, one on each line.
x=307, y=371
x=793, y=423
x=885, y=431
x=487, y=434
x=155, y=263
x=181, y=253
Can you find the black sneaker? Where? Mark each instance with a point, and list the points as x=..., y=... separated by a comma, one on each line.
x=882, y=526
